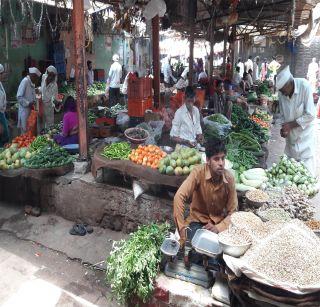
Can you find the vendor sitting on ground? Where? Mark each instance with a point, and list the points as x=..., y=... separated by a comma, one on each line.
x=212, y=192
x=70, y=122
x=219, y=102
x=186, y=128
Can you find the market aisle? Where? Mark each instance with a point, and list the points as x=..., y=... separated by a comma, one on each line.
x=35, y=273
x=276, y=149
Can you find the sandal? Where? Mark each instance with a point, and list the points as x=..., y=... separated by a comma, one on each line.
x=88, y=228
x=78, y=230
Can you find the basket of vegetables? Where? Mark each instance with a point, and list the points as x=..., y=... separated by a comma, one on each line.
x=136, y=135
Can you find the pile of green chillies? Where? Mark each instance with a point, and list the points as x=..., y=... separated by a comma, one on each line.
x=117, y=151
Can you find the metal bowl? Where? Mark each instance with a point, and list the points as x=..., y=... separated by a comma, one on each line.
x=167, y=149
x=234, y=250
x=317, y=233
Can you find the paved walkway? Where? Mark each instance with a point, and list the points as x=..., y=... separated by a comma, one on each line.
x=43, y=266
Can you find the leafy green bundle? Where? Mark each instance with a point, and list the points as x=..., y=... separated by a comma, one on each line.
x=134, y=263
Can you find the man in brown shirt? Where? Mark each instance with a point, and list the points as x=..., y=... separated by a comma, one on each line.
x=212, y=192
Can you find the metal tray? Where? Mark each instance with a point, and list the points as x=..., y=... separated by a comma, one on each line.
x=207, y=243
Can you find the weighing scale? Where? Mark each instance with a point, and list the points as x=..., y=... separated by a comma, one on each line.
x=178, y=261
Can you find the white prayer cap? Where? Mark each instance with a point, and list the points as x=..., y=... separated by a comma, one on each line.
x=1, y=68
x=52, y=69
x=115, y=58
x=283, y=77
x=34, y=70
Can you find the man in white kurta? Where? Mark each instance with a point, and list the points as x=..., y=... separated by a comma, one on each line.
x=313, y=69
x=114, y=80
x=297, y=116
x=256, y=72
x=49, y=92
x=26, y=97
x=186, y=127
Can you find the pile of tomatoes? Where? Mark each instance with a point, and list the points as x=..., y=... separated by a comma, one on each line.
x=24, y=140
x=149, y=155
x=260, y=122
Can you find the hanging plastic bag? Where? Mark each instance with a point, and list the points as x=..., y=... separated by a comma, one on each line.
x=217, y=126
x=153, y=8
x=155, y=131
x=32, y=122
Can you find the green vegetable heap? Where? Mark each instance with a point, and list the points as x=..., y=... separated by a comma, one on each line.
x=219, y=118
x=134, y=263
x=241, y=121
x=242, y=160
x=40, y=142
x=49, y=157
x=91, y=117
x=117, y=151
x=244, y=141
x=292, y=173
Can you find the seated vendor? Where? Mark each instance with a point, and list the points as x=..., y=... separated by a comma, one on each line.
x=70, y=129
x=212, y=192
x=186, y=128
x=219, y=102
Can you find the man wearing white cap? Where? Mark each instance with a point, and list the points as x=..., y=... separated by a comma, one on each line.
x=26, y=96
x=113, y=81
x=297, y=117
x=49, y=92
x=4, y=135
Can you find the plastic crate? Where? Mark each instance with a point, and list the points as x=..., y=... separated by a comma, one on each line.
x=140, y=88
x=99, y=75
x=138, y=107
x=200, y=97
x=106, y=120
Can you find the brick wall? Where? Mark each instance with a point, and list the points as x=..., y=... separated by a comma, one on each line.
x=304, y=55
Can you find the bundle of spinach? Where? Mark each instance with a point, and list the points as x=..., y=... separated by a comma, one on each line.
x=134, y=263
x=241, y=159
x=241, y=121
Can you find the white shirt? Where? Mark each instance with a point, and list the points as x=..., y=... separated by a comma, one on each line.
x=241, y=66
x=202, y=75
x=49, y=92
x=26, y=93
x=237, y=78
x=3, y=99
x=124, y=89
x=115, y=74
x=255, y=72
x=300, y=143
x=249, y=65
x=183, y=126
x=90, y=77
x=313, y=69
x=167, y=72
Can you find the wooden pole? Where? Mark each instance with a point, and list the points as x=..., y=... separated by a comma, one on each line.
x=211, y=49
x=233, y=46
x=191, y=57
x=156, y=59
x=80, y=76
x=226, y=32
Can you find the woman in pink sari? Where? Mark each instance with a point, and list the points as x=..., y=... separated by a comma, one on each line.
x=70, y=129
